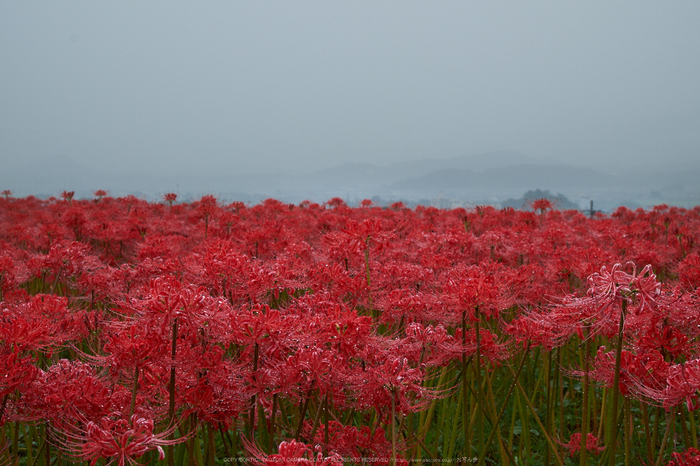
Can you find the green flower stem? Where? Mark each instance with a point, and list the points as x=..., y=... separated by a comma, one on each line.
x=603, y=411
x=393, y=427
x=171, y=390
x=671, y=421
x=28, y=439
x=549, y=402
x=525, y=429
x=628, y=430
x=647, y=436
x=448, y=406
x=302, y=413
x=223, y=433
x=693, y=429
x=655, y=430
x=428, y=419
x=537, y=418
x=455, y=429
x=14, y=428
x=615, y=391
x=684, y=428
x=325, y=420
x=477, y=374
x=251, y=416
x=317, y=418
x=39, y=449
x=465, y=395
x=273, y=414
x=513, y=417
x=559, y=390
x=196, y=446
x=584, y=352
x=495, y=428
x=484, y=411
x=263, y=432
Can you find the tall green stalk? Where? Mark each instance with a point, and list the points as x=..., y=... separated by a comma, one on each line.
x=465, y=394
x=171, y=389
x=612, y=415
x=477, y=375
x=584, y=409
x=549, y=404
x=251, y=416
x=628, y=430
x=495, y=428
x=393, y=428
x=669, y=423
x=537, y=419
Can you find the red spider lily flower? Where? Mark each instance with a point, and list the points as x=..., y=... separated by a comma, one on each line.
x=361, y=234
x=168, y=299
x=541, y=205
x=354, y=442
x=489, y=347
x=612, y=287
x=312, y=366
x=137, y=346
x=67, y=196
x=117, y=440
x=43, y=322
x=690, y=457
x=537, y=328
x=293, y=453
x=664, y=338
x=8, y=280
x=640, y=374
x=435, y=346
x=336, y=202
x=600, y=310
x=574, y=444
x=689, y=271
x=337, y=282
x=479, y=288
x=170, y=198
x=99, y=194
x=17, y=373
x=257, y=326
x=405, y=305
x=682, y=383
x=216, y=394
x=64, y=258
x=394, y=379
x=70, y=390
x=206, y=208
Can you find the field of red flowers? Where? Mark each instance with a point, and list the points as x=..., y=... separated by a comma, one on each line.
x=203, y=333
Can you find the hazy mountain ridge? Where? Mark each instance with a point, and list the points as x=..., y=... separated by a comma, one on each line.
x=518, y=176
x=483, y=178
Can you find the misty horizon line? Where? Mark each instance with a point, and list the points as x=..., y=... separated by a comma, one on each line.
x=679, y=162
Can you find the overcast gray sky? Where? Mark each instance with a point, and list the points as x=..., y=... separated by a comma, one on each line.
x=219, y=86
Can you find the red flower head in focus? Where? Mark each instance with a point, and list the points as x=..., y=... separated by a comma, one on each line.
x=293, y=453
x=118, y=439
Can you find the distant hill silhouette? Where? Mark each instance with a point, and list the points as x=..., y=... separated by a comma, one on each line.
x=521, y=176
x=559, y=200
x=487, y=178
